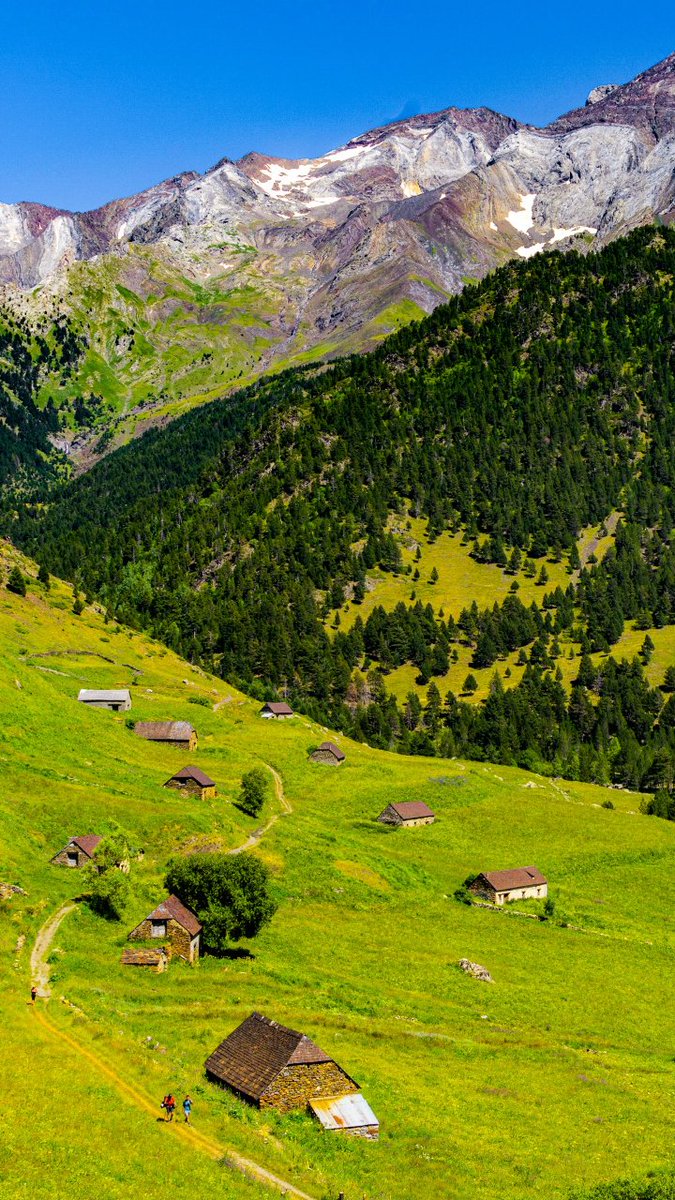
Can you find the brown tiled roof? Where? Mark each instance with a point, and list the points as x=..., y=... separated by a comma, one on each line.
x=521, y=877
x=172, y=909
x=279, y=707
x=256, y=1051
x=410, y=810
x=339, y=754
x=142, y=958
x=193, y=773
x=88, y=842
x=164, y=731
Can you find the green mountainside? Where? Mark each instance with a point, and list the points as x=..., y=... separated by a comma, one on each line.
x=555, y=1078
x=523, y=415
x=130, y=340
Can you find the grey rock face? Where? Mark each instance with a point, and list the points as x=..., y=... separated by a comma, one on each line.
x=406, y=212
x=599, y=93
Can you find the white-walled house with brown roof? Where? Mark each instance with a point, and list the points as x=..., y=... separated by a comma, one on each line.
x=522, y=883
x=276, y=710
x=407, y=813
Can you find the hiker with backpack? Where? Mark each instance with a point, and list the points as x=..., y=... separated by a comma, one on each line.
x=187, y=1109
x=169, y=1105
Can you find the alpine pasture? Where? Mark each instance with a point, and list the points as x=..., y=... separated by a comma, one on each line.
x=557, y=1076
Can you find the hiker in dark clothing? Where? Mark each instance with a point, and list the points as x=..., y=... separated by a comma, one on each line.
x=169, y=1105
x=33, y=994
x=187, y=1109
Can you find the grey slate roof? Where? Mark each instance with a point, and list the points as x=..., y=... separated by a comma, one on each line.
x=116, y=696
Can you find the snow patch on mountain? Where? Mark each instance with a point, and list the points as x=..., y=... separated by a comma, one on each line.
x=521, y=218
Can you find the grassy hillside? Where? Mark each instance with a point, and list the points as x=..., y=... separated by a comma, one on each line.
x=559, y=1074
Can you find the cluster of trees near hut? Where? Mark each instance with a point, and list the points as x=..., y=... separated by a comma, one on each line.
x=524, y=410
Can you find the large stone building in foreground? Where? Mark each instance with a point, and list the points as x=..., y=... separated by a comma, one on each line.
x=276, y=1067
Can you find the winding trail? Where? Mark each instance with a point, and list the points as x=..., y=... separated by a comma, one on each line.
x=286, y=810
x=198, y=1141
x=39, y=969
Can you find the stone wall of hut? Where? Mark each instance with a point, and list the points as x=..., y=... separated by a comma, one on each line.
x=178, y=938
x=296, y=1085
x=190, y=787
x=325, y=756
x=61, y=859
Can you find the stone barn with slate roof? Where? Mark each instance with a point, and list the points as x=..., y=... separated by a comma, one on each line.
x=175, y=924
x=328, y=753
x=407, y=813
x=174, y=733
x=276, y=1067
x=193, y=782
x=78, y=851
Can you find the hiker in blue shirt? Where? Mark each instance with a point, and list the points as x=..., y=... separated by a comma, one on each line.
x=187, y=1109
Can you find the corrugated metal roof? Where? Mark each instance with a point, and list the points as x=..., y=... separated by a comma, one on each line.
x=520, y=877
x=111, y=697
x=164, y=731
x=344, y=1112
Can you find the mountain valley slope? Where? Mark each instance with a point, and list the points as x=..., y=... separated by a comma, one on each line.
x=556, y=1077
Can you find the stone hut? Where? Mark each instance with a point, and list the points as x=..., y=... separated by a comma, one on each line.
x=173, y=733
x=407, y=813
x=155, y=960
x=116, y=701
x=523, y=883
x=175, y=923
x=276, y=1067
x=328, y=753
x=277, y=710
x=193, y=782
x=78, y=851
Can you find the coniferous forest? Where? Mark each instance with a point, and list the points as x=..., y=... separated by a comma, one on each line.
x=529, y=407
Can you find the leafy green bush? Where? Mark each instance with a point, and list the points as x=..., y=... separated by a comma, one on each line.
x=229, y=893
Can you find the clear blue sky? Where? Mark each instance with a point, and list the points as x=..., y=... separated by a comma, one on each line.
x=101, y=99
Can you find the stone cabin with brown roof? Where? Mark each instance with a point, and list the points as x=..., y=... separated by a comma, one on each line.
x=407, y=813
x=77, y=852
x=523, y=883
x=173, y=733
x=276, y=1067
x=193, y=782
x=175, y=924
x=328, y=753
x=277, y=710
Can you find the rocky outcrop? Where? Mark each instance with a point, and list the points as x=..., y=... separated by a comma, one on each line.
x=475, y=970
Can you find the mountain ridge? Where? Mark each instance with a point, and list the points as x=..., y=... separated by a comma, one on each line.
x=204, y=282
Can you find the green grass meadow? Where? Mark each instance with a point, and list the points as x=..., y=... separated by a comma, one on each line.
x=559, y=1075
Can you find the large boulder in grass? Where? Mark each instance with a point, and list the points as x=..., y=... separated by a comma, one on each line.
x=476, y=970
